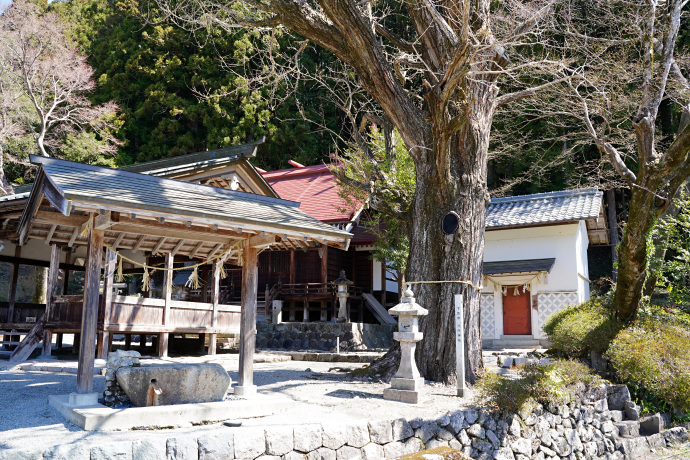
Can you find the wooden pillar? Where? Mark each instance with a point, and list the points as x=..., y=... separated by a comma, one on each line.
x=215, y=298
x=248, y=320
x=613, y=230
x=201, y=343
x=292, y=267
x=89, y=322
x=305, y=311
x=108, y=278
x=14, y=276
x=128, y=341
x=163, y=337
x=53, y=270
x=384, y=288
x=142, y=341
x=58, y=339
x=323, y=252
x=75, y=343
x=65, y=279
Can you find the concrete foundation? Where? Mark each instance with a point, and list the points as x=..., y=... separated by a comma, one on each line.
x=97, y=417
x=324, y=336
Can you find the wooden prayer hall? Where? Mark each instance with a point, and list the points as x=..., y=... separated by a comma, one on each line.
x=91, y=212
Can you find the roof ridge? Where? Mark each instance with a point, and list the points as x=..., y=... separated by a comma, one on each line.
x=539, y=196
x=292, y=172
x=35, y=159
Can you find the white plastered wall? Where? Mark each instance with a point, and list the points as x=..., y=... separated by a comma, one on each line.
x=391, y=286
x=565, y=284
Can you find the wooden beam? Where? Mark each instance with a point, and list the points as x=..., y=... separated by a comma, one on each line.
x=103, y=221
x=163, y=337
x=171, y=230
x=139, y=242
x=262, y=241
x=177, y=247
x=50, y=233
x=158, y=245
x=50, y=294
x=73, y=238
x=323, y=252
x=248, y=320
x=118, y=240
x=104, y=338
x=214, y=251
x=87, y=348
x=292, y=267
x=197, y=249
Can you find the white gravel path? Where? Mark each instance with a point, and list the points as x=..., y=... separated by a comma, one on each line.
x=321, y=390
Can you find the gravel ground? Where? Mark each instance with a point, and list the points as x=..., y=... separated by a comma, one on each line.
x=322, y=391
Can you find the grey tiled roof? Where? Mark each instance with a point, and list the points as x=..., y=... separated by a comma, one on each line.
x=99, y=185
x=194, y=161
x=518, y=266
x=544, y=208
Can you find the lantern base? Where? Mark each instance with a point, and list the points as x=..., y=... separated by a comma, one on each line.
x=406, y=396
x=413, y=384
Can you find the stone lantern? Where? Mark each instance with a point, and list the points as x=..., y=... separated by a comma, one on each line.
x=407, y=382
x=342, y=283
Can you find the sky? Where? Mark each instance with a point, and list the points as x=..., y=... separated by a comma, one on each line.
x=3, y=4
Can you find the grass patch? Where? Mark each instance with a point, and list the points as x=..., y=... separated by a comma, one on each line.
x=554, y=383
x=579, y=329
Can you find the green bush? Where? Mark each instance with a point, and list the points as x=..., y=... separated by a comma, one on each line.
x=653, y=358
x=553, y=383
x=579, y=329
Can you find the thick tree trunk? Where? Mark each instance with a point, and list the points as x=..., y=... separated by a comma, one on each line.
x=456, y=184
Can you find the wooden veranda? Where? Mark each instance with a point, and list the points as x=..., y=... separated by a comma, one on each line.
x=134, y=216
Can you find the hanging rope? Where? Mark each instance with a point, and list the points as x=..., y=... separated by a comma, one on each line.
x=469, y=283
x=193, y=280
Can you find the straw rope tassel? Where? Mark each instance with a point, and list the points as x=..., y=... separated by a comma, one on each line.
x=119, y=276
x=222, y=274
x=146, y=280
x=193, y=280
x=85, y=231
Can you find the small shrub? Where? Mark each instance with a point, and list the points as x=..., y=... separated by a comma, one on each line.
x=653, y=358
x=579, y=329
x=553, y=383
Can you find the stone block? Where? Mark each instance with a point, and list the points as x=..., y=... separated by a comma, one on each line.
x=357, y=434
x=307, y=437
x=476, y=431
x=464, y=438
x=628, y=428
x=182, y=448
x=652, y=424
x=514, y=427
x=381, y=431
x=151, y=449
x=249, y=443
x=72, y=452
x=279, y=440
x=83, y=399
x=616, y=415
x=406, y=396
x=217, y=446
x=427, y=431
x=617, y=396
x=445, y=435
x=521, y=446
x=22, y=454
x=394, y=449
x=471, y=416
x=322, y=453
x=179, y=383
x=677, y=435
x=434, y=443
x=656, y=441
x=504, y=453
x=372, y=451
x=334, y=436
x=348, y=453
x=401, y=430
x=412, y=445
x=632, y=411
x=115, y=450
x=457, y=421
x=289, y=456
x=636, y=448
x=455, y=444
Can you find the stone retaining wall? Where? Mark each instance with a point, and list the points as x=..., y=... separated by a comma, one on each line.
x=323, y=336
x=593, y=428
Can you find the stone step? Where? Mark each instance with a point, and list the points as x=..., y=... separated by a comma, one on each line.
x=508, y=341
x=628, y=428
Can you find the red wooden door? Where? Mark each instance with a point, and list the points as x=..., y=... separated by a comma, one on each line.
x=517, y=315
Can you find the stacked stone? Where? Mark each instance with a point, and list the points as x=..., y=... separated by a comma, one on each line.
x=324, y=336
x=113, y=395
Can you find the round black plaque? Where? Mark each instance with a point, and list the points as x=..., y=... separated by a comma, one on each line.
x=450, y=223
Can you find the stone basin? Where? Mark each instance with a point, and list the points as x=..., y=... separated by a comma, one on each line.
x=165, y=384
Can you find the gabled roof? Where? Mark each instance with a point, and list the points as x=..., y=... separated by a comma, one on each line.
x=68, y=185
x=315, y=188
x=544, y=208
x=166, y=167
x=215, y=166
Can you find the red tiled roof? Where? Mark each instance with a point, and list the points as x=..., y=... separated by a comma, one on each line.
x=315, y=188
